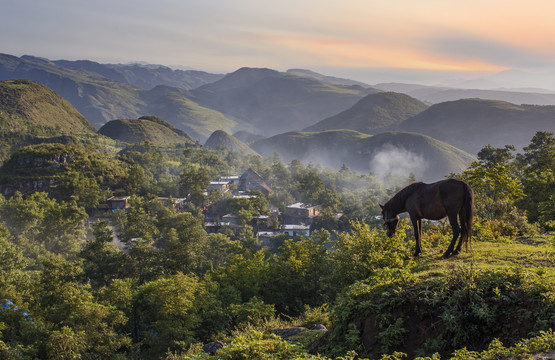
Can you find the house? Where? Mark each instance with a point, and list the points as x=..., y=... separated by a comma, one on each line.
x=234, y=180
x=295, y=230
x=177, y=203
x=118, y=203
x=300, y=213
x=251, y=181
x=222, y=186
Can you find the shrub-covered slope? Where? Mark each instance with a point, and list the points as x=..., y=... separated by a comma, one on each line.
x=31, y=113
x=146, y=128
x=32, y=108
x=222, y=139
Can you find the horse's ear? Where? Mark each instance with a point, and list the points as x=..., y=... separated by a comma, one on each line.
x=381, y=206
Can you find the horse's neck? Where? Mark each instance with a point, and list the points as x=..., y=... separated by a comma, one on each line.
x=397, y=203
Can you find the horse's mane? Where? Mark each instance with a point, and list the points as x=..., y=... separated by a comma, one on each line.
x=397, y=202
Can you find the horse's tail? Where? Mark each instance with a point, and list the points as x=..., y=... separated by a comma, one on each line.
x=467, y=214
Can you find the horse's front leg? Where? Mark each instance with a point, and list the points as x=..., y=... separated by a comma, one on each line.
x=417, y=225
x=456, y=232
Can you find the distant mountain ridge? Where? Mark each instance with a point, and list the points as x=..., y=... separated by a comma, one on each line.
x=101, y=99
x=436, y=94
x=373, y=114
x=390, y=152
x=326, y=79
x=143, y=76
x=470, y=124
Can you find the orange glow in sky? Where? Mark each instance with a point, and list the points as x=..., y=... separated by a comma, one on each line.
x=223, y=35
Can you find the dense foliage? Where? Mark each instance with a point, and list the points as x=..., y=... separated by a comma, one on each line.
x=150, y=282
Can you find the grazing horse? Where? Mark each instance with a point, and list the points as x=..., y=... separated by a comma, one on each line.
x=451, y=198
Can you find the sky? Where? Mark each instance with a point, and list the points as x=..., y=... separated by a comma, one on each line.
x=365, y=40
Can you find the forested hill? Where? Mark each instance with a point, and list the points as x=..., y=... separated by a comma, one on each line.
x=471, y=123
x=145, y=128
x=373, y=114
x=389, y=152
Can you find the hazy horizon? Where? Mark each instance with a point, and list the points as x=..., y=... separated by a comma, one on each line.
x=430, y=41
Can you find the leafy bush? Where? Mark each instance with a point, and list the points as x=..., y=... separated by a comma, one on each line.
x=465, y=307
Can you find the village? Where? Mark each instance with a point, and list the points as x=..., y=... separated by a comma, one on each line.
x=296, y=220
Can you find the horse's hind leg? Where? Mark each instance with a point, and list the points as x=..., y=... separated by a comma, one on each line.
x=463, y=237
x=417, y=224
x=456, y=232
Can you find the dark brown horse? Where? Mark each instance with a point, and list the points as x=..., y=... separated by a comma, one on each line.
x=451, y=198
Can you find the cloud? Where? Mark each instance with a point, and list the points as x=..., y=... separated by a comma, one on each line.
x=463, y=47
x=397, y=161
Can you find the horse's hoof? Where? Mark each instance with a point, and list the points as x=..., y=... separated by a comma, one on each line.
x=445, y=256
x=416, y=254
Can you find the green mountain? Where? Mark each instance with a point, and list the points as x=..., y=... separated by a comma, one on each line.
x=31, y=113
x=222, y=139
x=471, y=124
x=146, y=128
x=373, y=114
x=274, y=102
x=387, y=153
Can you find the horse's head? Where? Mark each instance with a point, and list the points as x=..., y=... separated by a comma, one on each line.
x=390, y=220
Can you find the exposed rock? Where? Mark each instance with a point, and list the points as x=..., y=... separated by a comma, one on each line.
x=319, y=327
x=287, y=332
x=212, y=347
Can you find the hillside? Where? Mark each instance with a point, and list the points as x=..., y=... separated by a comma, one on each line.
x=373, y=114
x=470, y=124
x=274, y=102
x=391, y=152
x=146, y=128
x=178, y=108
x=222, y=139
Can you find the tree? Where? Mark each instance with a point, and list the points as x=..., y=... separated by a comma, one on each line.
x=103, y=261
x=537, y=166
x=490, y=156
x=85, y=190
x=193, y=181
x=168, y=312
x=493, y=180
